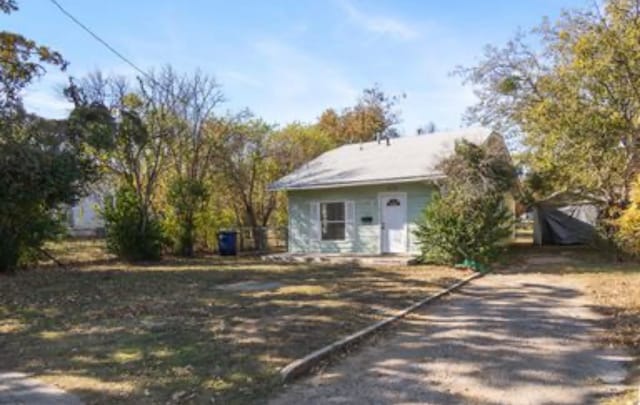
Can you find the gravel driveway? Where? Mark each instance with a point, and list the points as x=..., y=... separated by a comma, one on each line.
x=503, y=339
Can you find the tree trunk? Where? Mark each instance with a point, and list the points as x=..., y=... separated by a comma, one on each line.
x=609, y=229
x=187, y=238
x=256, y=229
x=259, y=242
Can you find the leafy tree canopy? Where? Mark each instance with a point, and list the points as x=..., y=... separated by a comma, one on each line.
x=21, y=61
x=573, y=95
x=628, y=235
x=44, y=163
x=373, y=116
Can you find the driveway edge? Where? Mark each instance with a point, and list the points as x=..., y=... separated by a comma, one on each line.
x=303, y=364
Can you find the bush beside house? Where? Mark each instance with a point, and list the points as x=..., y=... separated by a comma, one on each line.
x=456, y=228
x=469, y=219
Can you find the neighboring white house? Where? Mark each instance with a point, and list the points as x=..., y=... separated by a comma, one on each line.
x=367, y=198
x=84, y=217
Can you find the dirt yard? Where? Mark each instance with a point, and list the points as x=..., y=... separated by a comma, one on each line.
x=187, y=331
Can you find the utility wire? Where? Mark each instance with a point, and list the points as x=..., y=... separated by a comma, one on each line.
x=102, y=41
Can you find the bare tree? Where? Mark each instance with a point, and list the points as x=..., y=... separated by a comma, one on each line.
x=188, y=104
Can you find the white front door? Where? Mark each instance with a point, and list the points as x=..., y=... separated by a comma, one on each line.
x=393, y=222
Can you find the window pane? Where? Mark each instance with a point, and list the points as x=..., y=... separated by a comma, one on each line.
x=394, y=202
x=333, y=231
x=332, y=211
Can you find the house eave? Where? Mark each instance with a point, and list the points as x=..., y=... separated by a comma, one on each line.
x=317, y=186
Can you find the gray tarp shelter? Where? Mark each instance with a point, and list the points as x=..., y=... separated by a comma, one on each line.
x=564, y=224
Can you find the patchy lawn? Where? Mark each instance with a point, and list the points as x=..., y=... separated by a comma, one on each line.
x=613, y=286
x=189, y=330
x=77, y=251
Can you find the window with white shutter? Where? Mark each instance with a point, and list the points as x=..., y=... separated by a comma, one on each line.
x=350, y=220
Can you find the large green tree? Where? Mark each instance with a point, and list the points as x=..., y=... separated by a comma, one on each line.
x=571, y=91
x=44, y=164
x=43, y=169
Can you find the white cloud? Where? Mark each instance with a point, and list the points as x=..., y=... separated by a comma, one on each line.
x=379, y=24
x=298, y=85
x=44, y=96
x=443, y=105
x=46, y=104
x=295, y=84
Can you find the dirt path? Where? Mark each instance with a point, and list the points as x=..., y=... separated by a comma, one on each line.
x=18, y=388
x=504, y=339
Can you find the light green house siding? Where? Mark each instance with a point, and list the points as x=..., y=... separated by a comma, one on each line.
x=362, y=238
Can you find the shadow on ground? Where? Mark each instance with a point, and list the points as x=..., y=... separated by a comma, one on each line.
x=167, y=331
x=527, y=339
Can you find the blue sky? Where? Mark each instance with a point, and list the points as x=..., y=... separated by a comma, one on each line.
x=287, y=60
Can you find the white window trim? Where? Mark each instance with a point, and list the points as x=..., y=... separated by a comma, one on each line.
x=349, y=220
x=327, y=221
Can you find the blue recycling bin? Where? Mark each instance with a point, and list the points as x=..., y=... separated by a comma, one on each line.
x=227, y=243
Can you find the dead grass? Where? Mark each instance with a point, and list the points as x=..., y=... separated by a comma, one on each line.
x=617, y=295
x=77, y=251
x=168, y=332
x=630, y=397
x=614, y=288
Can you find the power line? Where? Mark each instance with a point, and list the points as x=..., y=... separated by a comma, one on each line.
x=102, y=41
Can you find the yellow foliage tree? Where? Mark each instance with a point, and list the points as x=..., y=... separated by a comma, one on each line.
x=629, y=223
x=374, y=115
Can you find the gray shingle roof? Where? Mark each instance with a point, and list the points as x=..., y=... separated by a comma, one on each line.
x=409, y=158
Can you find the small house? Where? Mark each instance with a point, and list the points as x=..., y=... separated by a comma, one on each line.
x=367, y=198
x=84, y=219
